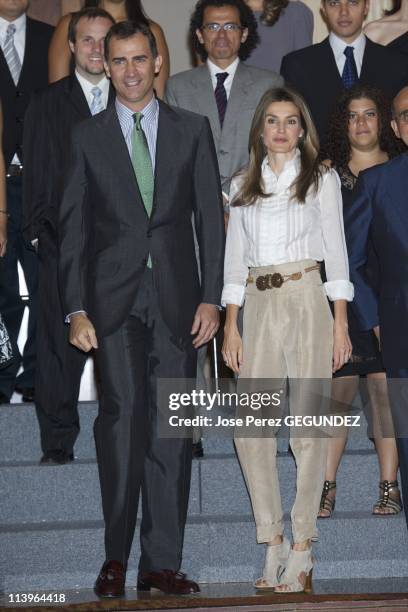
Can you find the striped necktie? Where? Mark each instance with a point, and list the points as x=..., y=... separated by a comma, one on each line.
x=11, y=55
x=96, y=104
x=350, y=74
x=221, y=95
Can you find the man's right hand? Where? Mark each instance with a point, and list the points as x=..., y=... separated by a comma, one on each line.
x=82, y=332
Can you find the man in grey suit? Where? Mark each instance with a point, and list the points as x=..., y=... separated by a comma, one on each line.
x=224, y=89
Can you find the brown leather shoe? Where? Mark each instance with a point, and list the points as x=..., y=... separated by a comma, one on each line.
x=167, y=581
x=111, y=580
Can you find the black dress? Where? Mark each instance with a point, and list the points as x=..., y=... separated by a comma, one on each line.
x=400, y=44
x=366, y=357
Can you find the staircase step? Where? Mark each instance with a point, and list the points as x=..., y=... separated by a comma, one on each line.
x=60, y=493
x=38, y=493
x=20, y=439
x=216, y=549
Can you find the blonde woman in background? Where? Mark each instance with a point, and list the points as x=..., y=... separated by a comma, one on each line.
x=59, y=59
x=286, y=215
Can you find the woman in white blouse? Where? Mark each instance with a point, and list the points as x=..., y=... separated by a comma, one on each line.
x=285, y=216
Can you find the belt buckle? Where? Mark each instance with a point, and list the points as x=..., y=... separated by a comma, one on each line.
x=261, y=283
x=276, y=280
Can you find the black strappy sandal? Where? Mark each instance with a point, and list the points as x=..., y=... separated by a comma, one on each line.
x=327, y=503
x=394, y=504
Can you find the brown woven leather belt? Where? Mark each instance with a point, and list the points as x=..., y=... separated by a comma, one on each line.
x=14, y=170
x=276, y=280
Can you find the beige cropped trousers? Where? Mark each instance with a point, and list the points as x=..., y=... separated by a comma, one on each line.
x=287, y=334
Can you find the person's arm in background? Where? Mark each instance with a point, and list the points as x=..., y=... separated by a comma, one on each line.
x=59, y=54
x=3, y=199
x=161, y=79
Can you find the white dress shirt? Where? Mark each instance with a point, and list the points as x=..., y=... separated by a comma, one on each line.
x=338, y=45
x=277, y=230
x=214, y=69
x=19, y=36
x=87, y=87
x=19, y=43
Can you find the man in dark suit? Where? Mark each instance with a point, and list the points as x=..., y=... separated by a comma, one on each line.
x=128, y=270
x=23, y=69
x=379, y=217
x=50, y=119
x=346, y=56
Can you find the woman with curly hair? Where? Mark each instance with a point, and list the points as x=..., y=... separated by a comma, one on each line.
x=392, y=29
x=283, y=26
x=360, y=136
x=59, y=56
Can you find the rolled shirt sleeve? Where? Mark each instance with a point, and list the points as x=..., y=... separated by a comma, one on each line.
x=338, y=285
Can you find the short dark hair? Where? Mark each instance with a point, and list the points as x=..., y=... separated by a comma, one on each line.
x=127, y=29
x=246, y=17
x=86, y=13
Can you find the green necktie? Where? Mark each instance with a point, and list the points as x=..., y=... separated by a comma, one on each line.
x=142, y=165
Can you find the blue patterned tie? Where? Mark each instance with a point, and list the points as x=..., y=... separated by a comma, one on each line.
x=350, y=74
x=11, y=55
x=96, y=104
x=221, y=95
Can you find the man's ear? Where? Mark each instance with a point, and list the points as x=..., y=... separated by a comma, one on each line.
x=244, y=35
x=367, y=8
x=158, y=64
x=71, y=46
x=395, y=127
x=199, y=36
x=105, y=65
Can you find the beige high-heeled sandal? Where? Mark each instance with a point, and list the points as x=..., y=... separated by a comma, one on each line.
x=300, y=561
x=275, y=562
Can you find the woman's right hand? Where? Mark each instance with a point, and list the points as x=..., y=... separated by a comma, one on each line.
x=232, y=348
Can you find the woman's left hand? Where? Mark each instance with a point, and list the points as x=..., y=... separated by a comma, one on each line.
x=342, y=347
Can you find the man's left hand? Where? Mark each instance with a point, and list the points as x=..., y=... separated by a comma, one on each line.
x=205, y=325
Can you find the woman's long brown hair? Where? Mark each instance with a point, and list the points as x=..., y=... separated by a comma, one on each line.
x=252, y=187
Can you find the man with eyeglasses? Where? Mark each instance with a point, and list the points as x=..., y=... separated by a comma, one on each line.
x=379, y=218
x=320, y=72
x=227, y=91
x=223, y=33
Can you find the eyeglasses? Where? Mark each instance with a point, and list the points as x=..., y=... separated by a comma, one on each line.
x=227, y=27
x=403, y=116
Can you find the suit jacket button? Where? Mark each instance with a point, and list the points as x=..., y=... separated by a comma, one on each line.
x=149, y=234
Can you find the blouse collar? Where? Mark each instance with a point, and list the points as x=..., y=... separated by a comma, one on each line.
x=290, y=169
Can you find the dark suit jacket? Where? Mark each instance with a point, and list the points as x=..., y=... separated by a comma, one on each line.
x=101, y=187
x=379, y=213
x=50, y=119
x=313, y=72
x=34, y=75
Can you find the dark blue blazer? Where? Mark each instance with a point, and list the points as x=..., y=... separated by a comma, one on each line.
x=378, y=217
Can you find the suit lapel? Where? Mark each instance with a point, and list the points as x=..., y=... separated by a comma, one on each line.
x=241, y=86
x=118, y=153
x=167, y=136
x=327, y=72
x=29, y=44
x=369, y=67
x=77, y=97
x=203, y=94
